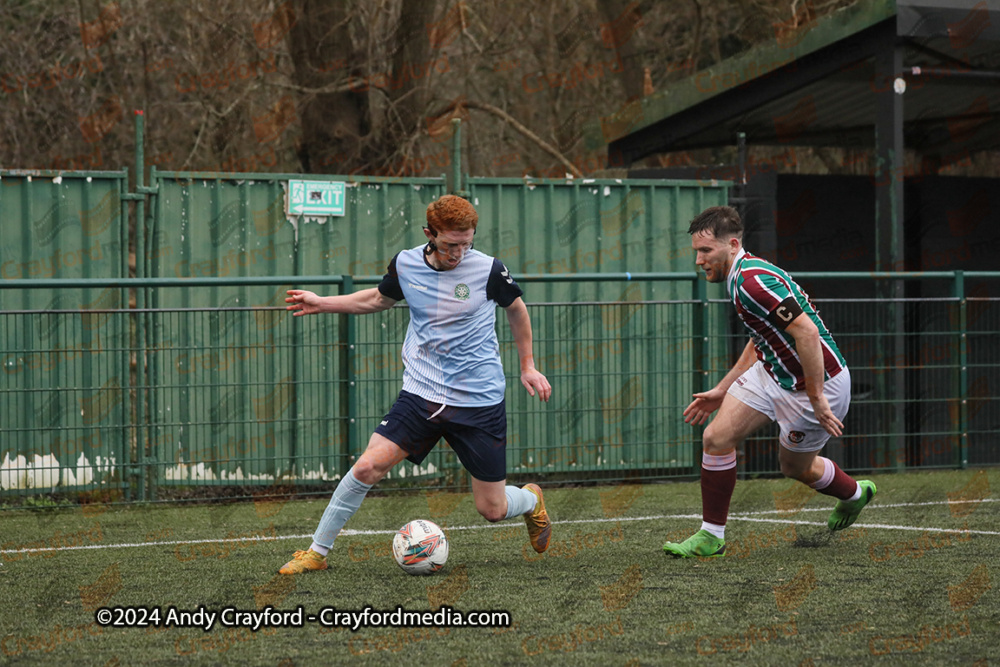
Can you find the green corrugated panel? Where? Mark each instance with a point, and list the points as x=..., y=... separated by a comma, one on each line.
x=215, y=417
x=293, y=398
x=63, y=424
x=611, y=410
x=236, y=228
x=214, y=227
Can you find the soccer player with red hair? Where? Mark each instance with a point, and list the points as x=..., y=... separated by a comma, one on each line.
x=453, y=382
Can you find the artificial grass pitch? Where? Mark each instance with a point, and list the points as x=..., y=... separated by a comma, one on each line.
x=913, y=582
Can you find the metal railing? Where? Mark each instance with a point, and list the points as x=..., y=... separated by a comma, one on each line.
x=171, y=403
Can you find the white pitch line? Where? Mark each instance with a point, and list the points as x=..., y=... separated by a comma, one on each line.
x=959, y=531
x=880, y=506
x=928, y=530
x=129, y=545
x=346, y=532
x=742, y=516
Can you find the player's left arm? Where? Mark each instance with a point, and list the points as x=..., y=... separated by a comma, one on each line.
x=520, y=327
x=810, y=352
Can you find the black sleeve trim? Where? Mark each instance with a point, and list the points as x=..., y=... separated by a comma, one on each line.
x=390, y=286
x=501, y=286
x=785, y=312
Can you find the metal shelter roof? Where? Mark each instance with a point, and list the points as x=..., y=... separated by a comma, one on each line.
x=821, y=84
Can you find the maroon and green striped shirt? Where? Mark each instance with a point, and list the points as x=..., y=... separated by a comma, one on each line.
x=756, y=288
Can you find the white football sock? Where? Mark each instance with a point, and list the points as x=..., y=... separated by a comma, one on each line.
x=344, y=503
x=718, y=531
x=519, y=501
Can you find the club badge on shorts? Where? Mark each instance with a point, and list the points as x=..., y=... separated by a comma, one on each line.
x=795, y=437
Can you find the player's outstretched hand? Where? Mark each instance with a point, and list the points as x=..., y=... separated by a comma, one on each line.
x=533, y=380
x=703, y=405
x=303, y=302
x=825, y=416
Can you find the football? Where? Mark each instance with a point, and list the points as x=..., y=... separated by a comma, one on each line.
x=420, y=547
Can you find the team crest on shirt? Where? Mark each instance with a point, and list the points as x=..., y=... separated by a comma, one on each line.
x=462, y=291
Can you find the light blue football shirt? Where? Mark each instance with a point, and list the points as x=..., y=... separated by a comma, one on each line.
x=451, y=354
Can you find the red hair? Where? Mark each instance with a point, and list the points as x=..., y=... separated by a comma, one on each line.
x=451, y=213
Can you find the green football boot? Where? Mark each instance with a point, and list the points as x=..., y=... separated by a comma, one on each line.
x=702, y=544
x=847, y=511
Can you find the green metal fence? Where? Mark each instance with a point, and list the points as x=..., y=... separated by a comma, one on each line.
x=191, y=374
x=70, y=372
x=220, y=226
x=247, y=396
x=191, y=379
x=924, y=394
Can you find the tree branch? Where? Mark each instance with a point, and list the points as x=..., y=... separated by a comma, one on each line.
x=197, y=142
x=696, y=40
x=325, y=90
x=507, y=118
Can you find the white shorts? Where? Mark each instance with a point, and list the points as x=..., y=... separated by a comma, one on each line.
x=800, y=431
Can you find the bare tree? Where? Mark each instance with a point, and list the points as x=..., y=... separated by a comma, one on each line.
x=344, y=86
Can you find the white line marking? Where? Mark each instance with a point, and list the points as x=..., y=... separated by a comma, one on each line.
x=957, y=531
x=960, y=531
x=879, y=506
x=740, y=516
x=152, y=544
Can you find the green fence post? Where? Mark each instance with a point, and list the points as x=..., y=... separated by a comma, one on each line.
x=146, y=452
x=350, y=393
x=699, y=347
x=140, y=301
x=899, y=375
x=456, y=158
x=295, y=466
x=963, y=372
x=151, y=446
x=129, y=432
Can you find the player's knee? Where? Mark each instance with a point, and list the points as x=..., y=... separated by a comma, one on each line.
x=367, y=470
x=492, y=513
x=715, y=443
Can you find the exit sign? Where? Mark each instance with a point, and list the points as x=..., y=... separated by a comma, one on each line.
x=315, y=198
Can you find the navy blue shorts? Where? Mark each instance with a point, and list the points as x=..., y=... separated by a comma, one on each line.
x=478, y=435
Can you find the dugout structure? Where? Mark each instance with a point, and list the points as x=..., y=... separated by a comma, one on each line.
x=908, y=88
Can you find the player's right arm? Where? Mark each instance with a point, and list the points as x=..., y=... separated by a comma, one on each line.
x=707, y=402
x=358, y=303
x=372, y=300
x=742, y=365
